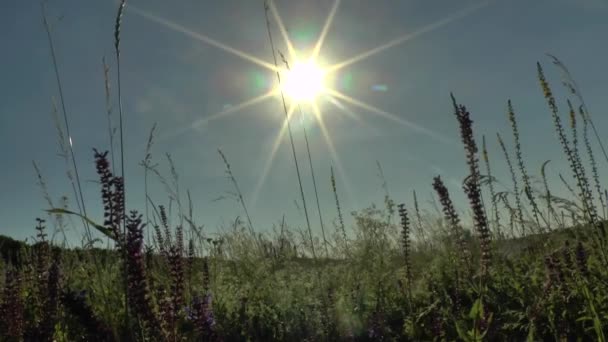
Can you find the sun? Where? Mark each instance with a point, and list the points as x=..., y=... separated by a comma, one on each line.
x=304, y=81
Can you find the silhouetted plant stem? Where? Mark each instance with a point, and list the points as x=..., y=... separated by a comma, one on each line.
x=146, y=163
x=590, y=154
x=472, y=188
x=550, y=210
x=520, y=212
x=451, y=217
x=79, y=196
x=570, y=83
x=578, y=173
x=338, y=208
x=578, y=163
x=106, y=77
x=240, y=197
x=312, y=171
x=287, y=118
x=388, y=202
x=138, y=291
x=117, y=28
x=314, y=184
x=461, y=254
x=421, y=231
x=486, y=160
x=405, y=245
x=522, y=168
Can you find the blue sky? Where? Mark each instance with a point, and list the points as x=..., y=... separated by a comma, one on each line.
x=170, y=78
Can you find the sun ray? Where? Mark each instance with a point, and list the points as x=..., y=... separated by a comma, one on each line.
x=355, y=116
x=275, y=147
x=333, y=153
x=351, y=114
x=408, y=36
x=325, y=30
x=216, y=116
x=345, y=109
x=388, y=115
x=275, y=13
x=201, y=37
x=334, y=96
x=235, y=108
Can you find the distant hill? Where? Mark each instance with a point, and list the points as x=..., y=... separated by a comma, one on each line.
x=16, y=251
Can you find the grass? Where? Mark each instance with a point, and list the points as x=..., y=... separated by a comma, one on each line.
x=520, y=273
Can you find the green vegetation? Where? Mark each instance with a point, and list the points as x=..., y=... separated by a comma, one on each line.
x=530, y=265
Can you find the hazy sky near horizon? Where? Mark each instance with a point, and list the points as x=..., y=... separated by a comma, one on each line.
x=173, y=79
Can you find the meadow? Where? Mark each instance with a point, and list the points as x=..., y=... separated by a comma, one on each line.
x=516, y=265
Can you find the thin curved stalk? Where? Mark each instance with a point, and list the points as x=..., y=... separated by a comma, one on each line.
x=293, y=148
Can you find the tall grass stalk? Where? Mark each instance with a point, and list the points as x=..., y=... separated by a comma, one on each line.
x=117, y=29
x=592, y=161
x=522, y=168
x=109, y=111
x=520, y=212
x=177, y=194
x=586, y=193
x=77, y=187
x=472, y=187
x=388, y=202
x=512, y=213
x=550, y=209
x=419, y=223
x=453, y=221
x=570, y=83
x=582, y=183
x=47, y=197
x=405, y=245
x=461, y=254
x=65, y=155
x=493, y=199
x=312, y=170
x=240, y=197
x=287, y=118
x=314, y=184
x=566, y=144
x=146, y=163
x=339, y=210
x=79, y=196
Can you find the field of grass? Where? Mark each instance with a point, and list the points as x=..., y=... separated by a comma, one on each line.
x=527, y=266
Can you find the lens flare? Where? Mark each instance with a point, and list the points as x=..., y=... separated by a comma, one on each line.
x=306, y=81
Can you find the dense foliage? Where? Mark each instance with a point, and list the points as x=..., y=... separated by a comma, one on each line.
x=527, y=265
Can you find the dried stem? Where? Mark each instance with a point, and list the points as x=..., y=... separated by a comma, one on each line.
x=287, y=121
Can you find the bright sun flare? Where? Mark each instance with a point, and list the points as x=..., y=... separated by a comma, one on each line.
x=304, y=81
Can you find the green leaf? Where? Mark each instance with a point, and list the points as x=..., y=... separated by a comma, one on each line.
x=476, y=309
x=462, y=332
x=104, y=230
x=531, y=332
